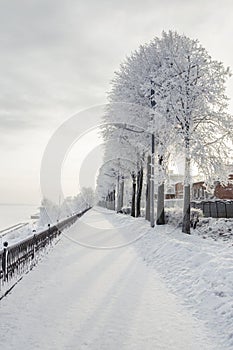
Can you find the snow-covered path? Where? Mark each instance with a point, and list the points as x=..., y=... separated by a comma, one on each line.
x=80, y=298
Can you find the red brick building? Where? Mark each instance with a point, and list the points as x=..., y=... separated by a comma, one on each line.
x=224, y=192
x=199, y=190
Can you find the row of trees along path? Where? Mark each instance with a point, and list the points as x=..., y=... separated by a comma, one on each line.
x=166, y=101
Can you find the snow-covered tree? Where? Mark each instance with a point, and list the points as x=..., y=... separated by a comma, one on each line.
x=172, y=89
x=137, y=110
x=120, y=163
x=50, y=212
x=88, y=196
x=190, y=90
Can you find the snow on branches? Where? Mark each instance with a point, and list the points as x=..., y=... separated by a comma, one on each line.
x=172, y=89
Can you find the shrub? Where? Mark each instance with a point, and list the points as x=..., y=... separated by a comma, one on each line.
x=174, y=216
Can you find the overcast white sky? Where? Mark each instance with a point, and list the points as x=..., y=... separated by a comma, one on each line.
x=57, y=58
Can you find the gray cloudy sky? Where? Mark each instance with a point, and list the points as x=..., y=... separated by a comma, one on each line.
x=57, y=57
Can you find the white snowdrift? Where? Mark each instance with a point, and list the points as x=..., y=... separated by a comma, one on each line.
x=199, y=270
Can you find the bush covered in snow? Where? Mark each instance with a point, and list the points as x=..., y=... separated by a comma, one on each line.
x=51, y=212
x=174, y=216
x=205, y=227
x=215, y=228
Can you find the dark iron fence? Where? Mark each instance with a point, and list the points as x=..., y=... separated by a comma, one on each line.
x=215, y=209
x=20, y=257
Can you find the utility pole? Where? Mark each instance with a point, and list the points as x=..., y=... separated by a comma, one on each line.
x=118, y=192
x=148, y=191
x=152, y=185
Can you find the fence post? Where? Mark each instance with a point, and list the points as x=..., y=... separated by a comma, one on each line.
x=4, y=261
x=49, y=233
x=34, y=246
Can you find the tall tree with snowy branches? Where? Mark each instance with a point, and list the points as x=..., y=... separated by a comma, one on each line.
x=125, y=141
x=120, y=164
x=176, y=79
x=192, y=89
x=131, y=104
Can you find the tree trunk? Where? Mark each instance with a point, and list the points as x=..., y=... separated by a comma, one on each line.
x=186, y=210
x=139, y=191
x=160, y=205
x=113, y=200
x=133, y=195
x=186, y=207
x=121, y=193
x=160, y=198
x=147, y=217
x=118, y=194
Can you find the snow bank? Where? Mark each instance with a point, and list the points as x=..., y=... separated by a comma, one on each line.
x=200, y=271
x=174, y=216
x=215, y=228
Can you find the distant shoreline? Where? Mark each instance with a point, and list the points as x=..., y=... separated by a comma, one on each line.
x=12, y=213
x=21, y=204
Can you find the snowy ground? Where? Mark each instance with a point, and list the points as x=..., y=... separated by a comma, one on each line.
x=99, y=298
x=216, y=228
x=198, y=270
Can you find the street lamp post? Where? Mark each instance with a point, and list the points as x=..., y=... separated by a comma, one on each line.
x=152, y=184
